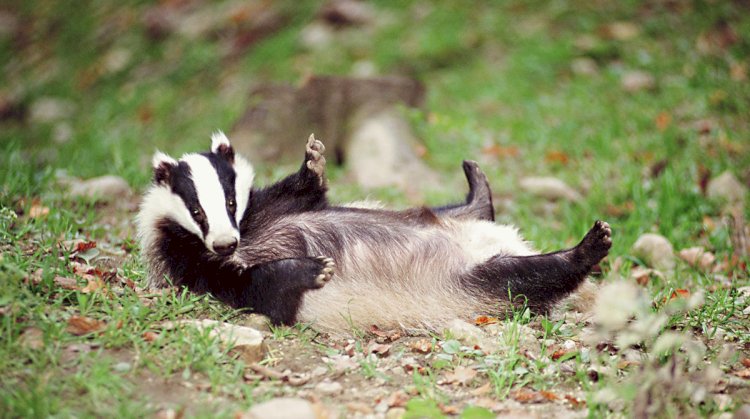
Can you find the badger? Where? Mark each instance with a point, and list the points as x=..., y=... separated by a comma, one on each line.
x=284, y=251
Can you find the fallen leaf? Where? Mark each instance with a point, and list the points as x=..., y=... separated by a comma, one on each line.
x=743, y=373
x=663, y=120
x=32, y=338
x=697, y=257
x=81, y=325
x=448, y=409
x=559, y=354
x=66, y=283
x=92, y=286
x=461, y=376
x=527, y=396
x=378, y=348
x=84, y=246
x=499, y=151
x=422, y=346
x=555, y=156
x=38, y=211
x=680, y=293
x=625, y=364
x=385, y=335
x=481, y=390
x=150, y=336
x=575, y=402
x=549, y=395
x=746, y=362
x=397, y=399
x=738, y=71
x=485, y=320
x=620, y=30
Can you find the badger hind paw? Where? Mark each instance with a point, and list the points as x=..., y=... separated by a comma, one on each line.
x=326, y=270
x=596, y=244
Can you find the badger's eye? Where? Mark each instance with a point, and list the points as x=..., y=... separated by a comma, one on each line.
x=196, y=212
x=231, y=204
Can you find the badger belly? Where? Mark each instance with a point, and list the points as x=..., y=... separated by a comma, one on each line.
x=411, y=279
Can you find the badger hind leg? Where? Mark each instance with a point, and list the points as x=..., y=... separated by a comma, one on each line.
x=478, y=204
x=541, y=280
x=276, y=288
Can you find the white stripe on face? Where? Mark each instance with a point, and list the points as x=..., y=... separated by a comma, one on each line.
x=211, y=198
x=242, y=184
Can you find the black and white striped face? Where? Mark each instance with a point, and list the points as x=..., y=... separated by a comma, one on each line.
x=205, y=193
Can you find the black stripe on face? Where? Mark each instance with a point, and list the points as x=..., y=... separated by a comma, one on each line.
x=183, y=186
x=227, y=176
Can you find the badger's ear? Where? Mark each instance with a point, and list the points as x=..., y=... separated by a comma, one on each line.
x=163, y=165
x=221, y=147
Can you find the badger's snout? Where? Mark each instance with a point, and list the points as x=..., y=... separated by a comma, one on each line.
x=225, y=247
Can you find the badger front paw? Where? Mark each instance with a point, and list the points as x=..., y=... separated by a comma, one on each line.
x=327, y=266
x=314, y=159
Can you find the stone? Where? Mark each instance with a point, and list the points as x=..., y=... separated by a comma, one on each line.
x=244, y=341
x=726, y=187
x=584, y=66
x=104, y=188
x=471, y=335
x=50, y=109
x=381, y=154
x=282, y=408
x=549, y=188
x=634, y=81
x=329, y=388
x=655, y=250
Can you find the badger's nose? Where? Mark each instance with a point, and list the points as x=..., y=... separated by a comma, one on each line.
x=225, y=248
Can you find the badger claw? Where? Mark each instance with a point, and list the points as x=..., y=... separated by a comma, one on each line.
x=326, y=272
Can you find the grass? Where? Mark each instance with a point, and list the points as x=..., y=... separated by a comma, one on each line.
x=501, y=90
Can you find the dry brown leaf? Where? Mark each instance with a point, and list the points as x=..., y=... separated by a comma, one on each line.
x=38, y=211
x=84, y=246
x=484, y=320
x=576, y=403
x=448, y=409
x=697, y=257
x=746, y=362
x=559, y=354
x=527, y=396
x=32, y=338
x=82, y=325
x=150, y=336
x=743, y=373
x=397, y=399
x=663, y=120
x=481, y=390
x=549, y=395
x=422, y=346
x=461, y=376
x=556, y=156
x=499, y=151
x=93, y=285
x=625, y=364
x=379, y=349
x=66, y=283
x=385, y=335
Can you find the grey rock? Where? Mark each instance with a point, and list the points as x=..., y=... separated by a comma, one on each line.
x=50, y=109
x=471, y=335
x=105, y=188
x=282, y=408
x=655, y=250
x=726, y=187
x=634, y=81
x=381, y=154
x=330, y=388
x=549, y=188
x=244, y=341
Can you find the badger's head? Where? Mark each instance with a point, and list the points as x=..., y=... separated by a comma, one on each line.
x=205, y=194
